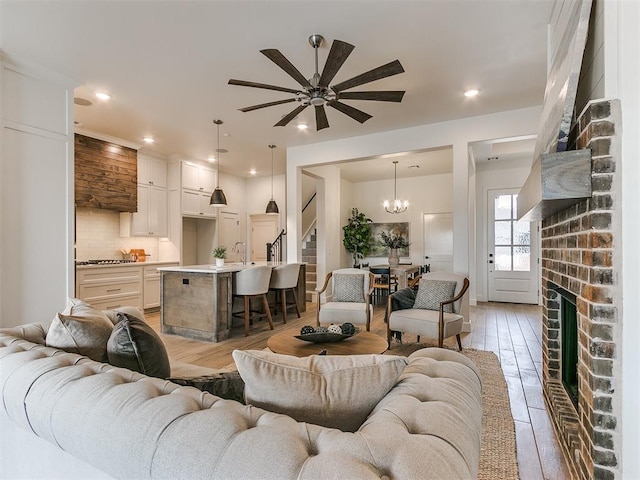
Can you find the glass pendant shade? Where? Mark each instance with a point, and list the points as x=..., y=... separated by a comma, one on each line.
x=218, y=198
x=272, y=206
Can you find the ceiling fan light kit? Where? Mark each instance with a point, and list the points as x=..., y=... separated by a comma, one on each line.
x=316, y=90
x=398, y=206
x=218, y=198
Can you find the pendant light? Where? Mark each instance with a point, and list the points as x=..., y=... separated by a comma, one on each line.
x=398, y=205
x=272, y=206
x=217, y=197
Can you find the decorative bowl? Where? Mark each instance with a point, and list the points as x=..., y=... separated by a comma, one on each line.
x=324, y=337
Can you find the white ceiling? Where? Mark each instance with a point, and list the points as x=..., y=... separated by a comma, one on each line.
x=166, y=65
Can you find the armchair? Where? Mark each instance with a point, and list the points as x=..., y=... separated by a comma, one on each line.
x=435, y=312
x=350, y=298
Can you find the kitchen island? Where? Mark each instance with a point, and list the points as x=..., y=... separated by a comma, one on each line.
x=197, y=302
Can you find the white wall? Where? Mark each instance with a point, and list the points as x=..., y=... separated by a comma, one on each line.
x=36, y=201
x=426, y=194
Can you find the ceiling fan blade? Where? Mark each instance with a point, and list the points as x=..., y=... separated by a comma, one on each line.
x=243, y=83
x=391, y=68
x=380, y=96
x=337, y=56
x=270, y=104
x=290, y=116
x=279, y=59
x=321, y=118
x=354, y=113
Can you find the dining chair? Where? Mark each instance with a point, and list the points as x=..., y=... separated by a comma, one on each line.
x=383, y=283
x=351, y=290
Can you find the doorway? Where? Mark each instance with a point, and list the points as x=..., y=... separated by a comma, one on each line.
x=513, y=251
x=229, y=234
x=264, y=229
x=438, y=241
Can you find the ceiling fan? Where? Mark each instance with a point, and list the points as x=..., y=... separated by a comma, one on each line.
x=317, y=92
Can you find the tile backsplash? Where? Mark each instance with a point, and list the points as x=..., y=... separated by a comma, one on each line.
x=98, y=236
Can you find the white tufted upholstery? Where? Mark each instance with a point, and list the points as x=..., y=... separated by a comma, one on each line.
x=100, y=418
x=341, y=312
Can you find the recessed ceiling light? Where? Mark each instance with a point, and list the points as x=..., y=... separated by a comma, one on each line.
x=252, y=171
x=302, y=126
x=148, y=140
x=471, y=93
x=212, y=158
x=103, y=95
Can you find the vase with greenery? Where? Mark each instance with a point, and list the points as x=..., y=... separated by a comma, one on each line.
x=357, y=236
x=219, y=253
x=394, y=241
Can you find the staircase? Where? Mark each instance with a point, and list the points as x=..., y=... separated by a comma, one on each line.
x=309, y=256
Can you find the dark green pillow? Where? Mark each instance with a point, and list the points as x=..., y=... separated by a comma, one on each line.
x=227, y=385
x=134, y=345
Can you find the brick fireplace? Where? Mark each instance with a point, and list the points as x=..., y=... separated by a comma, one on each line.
x=579, y=262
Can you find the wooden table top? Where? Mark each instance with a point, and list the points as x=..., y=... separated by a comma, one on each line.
x=360, y=344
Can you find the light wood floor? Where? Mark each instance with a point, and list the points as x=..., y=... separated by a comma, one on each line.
x=512, y=331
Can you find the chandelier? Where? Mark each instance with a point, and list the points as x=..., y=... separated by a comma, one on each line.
x=398, y=206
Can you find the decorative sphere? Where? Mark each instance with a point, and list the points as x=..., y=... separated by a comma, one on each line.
x=321, y=330
x=334, y=329
x=348, y=328
x=307, y=329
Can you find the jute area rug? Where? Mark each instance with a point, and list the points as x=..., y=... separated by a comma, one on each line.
x=498, y=460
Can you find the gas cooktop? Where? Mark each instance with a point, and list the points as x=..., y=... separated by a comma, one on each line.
x=102, y=262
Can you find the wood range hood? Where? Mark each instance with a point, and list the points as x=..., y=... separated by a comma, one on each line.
x=556, y=181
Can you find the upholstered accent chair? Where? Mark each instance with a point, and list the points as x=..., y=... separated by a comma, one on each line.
x=350, y=301
x=435, y=312
x=284, y=278
x=251, y=283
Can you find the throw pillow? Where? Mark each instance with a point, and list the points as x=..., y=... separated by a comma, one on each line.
x=82, y=329
x=134, y=345
x=336, y=391
x=227, y=385
x=348, y=287
x=432, y=292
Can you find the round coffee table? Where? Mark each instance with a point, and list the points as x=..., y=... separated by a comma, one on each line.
x=360, y=344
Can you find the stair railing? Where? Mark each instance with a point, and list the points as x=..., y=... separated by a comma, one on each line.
x=274, y=249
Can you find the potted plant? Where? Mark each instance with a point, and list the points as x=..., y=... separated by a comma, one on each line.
x=357, y=236
x=219, y=253
x=394, y=241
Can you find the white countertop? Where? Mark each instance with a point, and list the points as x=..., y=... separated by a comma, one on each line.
x=211, y=268
x=129, y=264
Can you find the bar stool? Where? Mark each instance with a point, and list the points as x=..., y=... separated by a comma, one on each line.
x=248, y=283
x=283, y=278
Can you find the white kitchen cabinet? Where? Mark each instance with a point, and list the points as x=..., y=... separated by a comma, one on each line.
x=198, y=178
x=196, y=204
x=110, y=287
x=152, y=171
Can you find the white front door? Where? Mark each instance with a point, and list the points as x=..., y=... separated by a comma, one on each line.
x=513, y=251
x=264, y=229
x=438, y=241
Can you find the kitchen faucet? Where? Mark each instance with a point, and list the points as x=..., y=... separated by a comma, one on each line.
x=243, y=253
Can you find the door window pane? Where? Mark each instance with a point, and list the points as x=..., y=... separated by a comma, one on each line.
x=503, y=258
x=521, y=233
x=502, y=234
x=503, y=207
x=521, y=259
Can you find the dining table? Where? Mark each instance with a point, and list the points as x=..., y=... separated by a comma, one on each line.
x=403, y=272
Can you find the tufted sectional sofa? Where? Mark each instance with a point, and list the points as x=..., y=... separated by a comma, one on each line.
x=63, y=415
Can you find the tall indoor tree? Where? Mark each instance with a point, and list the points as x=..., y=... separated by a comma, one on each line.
x=357, y=236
